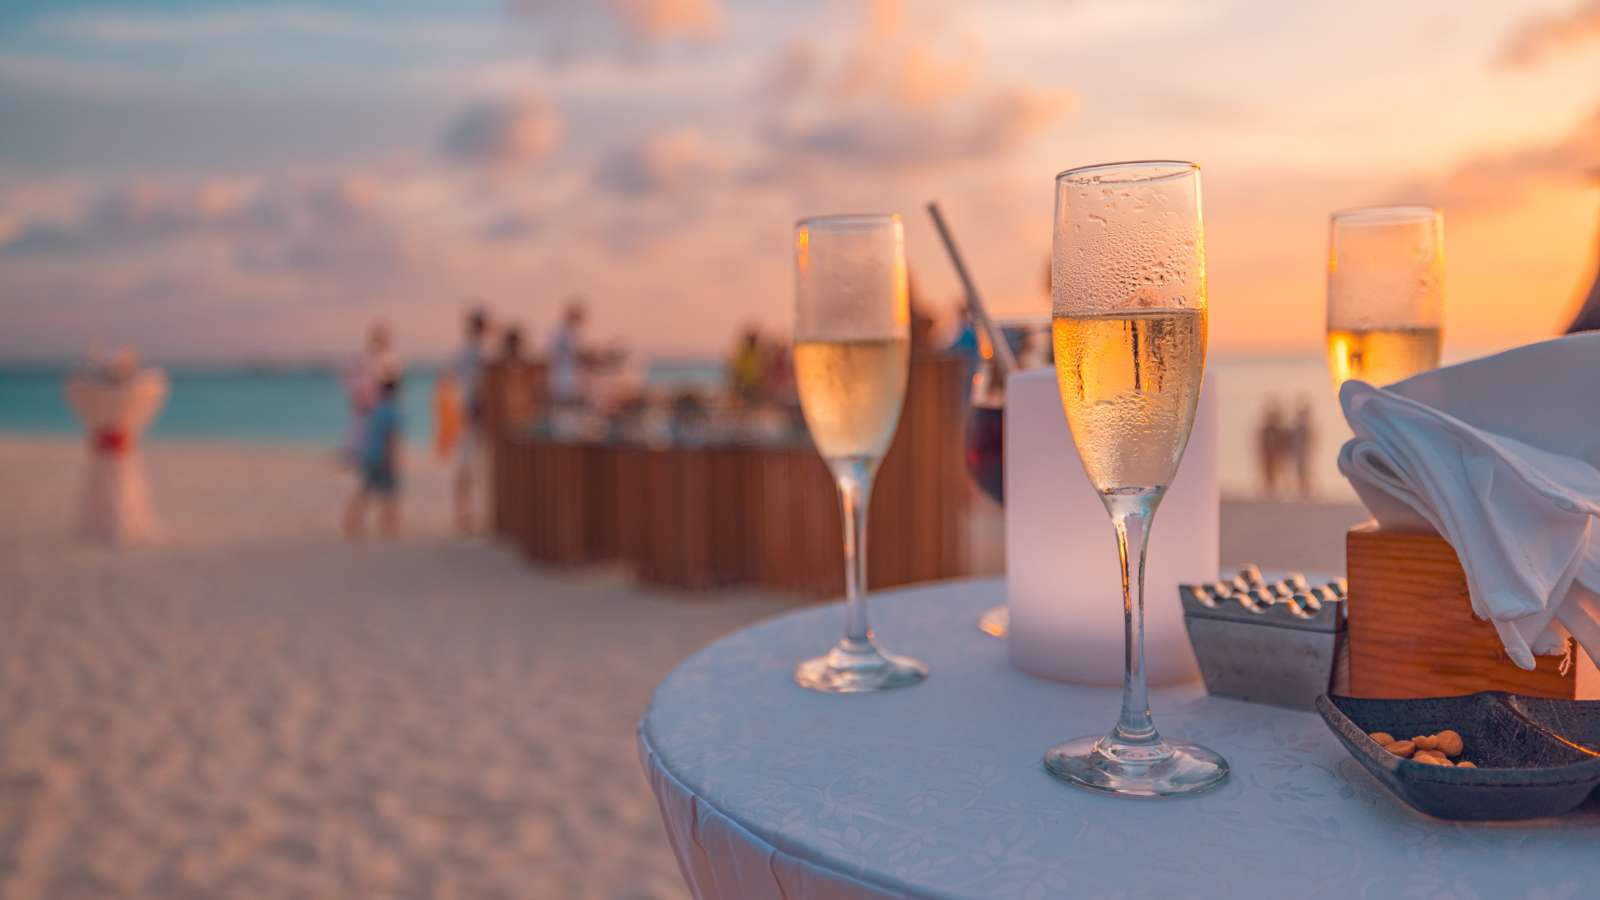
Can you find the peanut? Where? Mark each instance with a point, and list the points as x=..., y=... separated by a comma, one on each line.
x=1425, y=742
x=1430, y=757
x=1401, y=748
x=1466, y=764
x=1448, y=742
x=1383, y=738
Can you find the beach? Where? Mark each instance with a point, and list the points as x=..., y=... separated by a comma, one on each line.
x=256, y=708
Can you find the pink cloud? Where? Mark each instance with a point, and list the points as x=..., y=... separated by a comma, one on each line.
x=901, y=94
x=1500, y=178
x=505, y=134
x=571, y=24
x=659, y=19
x=1537, y=38
x=671, y=161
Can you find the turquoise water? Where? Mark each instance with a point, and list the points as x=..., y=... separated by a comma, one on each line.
x=296, y=406
x=306, y=406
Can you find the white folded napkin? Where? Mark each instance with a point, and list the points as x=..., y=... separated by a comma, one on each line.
x=1501, y=457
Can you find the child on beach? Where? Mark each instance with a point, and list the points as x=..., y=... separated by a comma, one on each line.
x=379, y=465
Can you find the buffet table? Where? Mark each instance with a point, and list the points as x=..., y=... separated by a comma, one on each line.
x=771, y=791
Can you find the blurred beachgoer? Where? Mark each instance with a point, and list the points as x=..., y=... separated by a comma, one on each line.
x=567, y=382
x=779, y=372
x=376, y=362
x=747, y=370
x=1030, y=345
x=469, y=374
x=1301, y=438
x=116, y=401
x=921, y=323
x=514, y=383
x=511, y=344
x=921, y=330
x=572, y=362
x=1270, y=446
x=965, y=343
x=690, y=416
x=449, y=418
x=380, y=465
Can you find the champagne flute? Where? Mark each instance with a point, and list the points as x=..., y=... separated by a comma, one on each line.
x=851, y=361
x=1385, y=293
x=1128, y=303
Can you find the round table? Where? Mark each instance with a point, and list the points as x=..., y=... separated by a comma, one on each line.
x=771, y=791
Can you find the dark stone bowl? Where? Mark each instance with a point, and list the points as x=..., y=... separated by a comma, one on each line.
x=1536, y=757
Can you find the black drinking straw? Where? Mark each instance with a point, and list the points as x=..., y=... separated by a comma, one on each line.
x=999, y=346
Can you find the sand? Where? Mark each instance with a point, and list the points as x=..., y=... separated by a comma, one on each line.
x=257, y=709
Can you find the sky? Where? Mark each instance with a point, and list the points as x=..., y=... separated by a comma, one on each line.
x=260, y=181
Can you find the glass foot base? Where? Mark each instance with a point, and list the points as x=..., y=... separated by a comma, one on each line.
x=995, y=620
x=843, y=671
x=1165, y=769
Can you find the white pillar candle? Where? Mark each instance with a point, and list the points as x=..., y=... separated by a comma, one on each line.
x=1063, y=583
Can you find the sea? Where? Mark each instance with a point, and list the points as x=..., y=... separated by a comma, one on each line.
x=306, y=406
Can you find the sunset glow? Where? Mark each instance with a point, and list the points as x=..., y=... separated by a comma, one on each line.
x=217, y=181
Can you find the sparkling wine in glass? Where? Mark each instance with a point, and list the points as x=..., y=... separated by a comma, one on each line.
x=851, y=360
x=1128, y=303
x=1385, y=293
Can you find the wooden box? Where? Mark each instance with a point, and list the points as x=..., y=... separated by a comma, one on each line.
x=1412, y=632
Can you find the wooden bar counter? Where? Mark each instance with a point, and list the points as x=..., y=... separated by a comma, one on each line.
x=700, y=516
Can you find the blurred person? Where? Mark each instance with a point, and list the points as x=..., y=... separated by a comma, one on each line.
x=778, y=372
x=689, y=416
x=513, y=382
x=1300, y=439
x=567, y=381
x=747, y=370
x=965, y=343
x=571, y=361
x=375, y=363
x=1270, y=443
x=469, y=376
x=921, y=330
x=380, y=465
x=511, y=344
x=116, y=400
x=921, y=323
x=449, y=419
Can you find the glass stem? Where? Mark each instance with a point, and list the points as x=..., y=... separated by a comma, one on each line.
x=1131, y=515
x=855, y=494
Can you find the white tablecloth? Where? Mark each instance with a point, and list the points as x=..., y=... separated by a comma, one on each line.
x=771, y=791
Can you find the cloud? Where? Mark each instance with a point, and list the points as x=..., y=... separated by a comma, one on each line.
x=1490, y=180
x=900, y=94
x=669, y=162
x=1538, y=37
x=132, y=214
x=505, y=133
x=575, y=23
x=145, y=28
x=791, y=72
x=511, y=226
x=259, y=221
x=664, y=19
